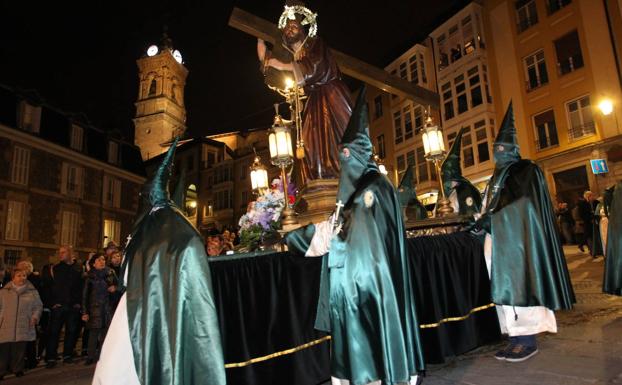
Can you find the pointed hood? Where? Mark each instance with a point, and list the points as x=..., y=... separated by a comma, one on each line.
x=179, y=195
x=505, y=147
x=356, y=140
x=406, y=188
x=158, y=191
x=451, y=171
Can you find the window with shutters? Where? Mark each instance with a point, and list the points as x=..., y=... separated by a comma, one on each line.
x=113, y=152
x=397, y=126
x=112, y=232
x=580, y=118
x=545, y=130
x=535, y=70
x=526, y=14
x=112, y=192
x=15, y=221
x=77, y=137
x=568, y=50
x=29, y=117
x=72, y=180
x=69, y=228
x=20, y=165
x=381, y=146
x=408, y=123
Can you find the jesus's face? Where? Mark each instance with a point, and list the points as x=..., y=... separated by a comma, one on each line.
x=293, y=32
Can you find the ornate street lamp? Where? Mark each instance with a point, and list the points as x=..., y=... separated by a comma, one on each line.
x=434, y=149
x=380, y=162
x=259, y=176
x=282, y=155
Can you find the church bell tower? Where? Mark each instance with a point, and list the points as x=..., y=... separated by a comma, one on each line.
x=160, y=109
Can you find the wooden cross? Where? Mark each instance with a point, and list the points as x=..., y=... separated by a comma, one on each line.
x=358, y=69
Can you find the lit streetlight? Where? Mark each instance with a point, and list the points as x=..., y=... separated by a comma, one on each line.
x=434, y=149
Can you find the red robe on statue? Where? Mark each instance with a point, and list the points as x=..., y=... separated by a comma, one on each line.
x=326, y=112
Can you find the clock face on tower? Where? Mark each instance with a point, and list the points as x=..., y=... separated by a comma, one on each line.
x=152, y=50
x=177, y=56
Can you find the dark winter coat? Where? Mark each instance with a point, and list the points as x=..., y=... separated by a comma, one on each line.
x=96, y=298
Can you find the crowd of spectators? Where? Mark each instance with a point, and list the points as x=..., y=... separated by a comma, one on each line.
x=578, y=226
x=221, y=242
x=65, y=300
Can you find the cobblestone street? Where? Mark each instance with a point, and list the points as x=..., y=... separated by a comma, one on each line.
x=586, y=350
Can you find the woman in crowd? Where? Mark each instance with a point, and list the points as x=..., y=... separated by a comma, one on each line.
x=20, y=310
x=96, y=307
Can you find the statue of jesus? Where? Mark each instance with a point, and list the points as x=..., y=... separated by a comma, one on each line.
x=329, y=105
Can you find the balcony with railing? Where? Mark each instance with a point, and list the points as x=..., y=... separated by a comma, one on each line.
x=582, y=130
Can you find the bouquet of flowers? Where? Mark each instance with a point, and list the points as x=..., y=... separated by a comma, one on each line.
x=263, y=216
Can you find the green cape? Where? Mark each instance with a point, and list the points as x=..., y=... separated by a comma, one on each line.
x=612, y=282
x=171, y=313
x=528, y=264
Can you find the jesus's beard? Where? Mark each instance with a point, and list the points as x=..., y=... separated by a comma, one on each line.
x=291, y=40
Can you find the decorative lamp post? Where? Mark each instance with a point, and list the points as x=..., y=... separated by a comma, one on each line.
x=282, y=155
x=434, y=149
x=380, y=162
x=259, y=176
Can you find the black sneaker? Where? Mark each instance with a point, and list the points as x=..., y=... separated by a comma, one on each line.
x=501, y=354
x=520, y=353
x=50, y=364
x=68, y=360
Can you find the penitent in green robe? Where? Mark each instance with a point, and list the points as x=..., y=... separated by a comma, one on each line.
x=366, y=300
x=528, y=264
x=612, y=283
x=172, y=320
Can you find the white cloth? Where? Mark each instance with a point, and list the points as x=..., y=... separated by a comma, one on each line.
x=520, y=320
x=337, y=381
x=604, y=226
x=116, y=363
x=320, y=243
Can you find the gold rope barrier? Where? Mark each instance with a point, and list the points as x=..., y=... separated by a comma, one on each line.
x=327, y=338
x=277, y=354
x=452, y=319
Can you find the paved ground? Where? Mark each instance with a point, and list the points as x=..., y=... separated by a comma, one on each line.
x=587, y=349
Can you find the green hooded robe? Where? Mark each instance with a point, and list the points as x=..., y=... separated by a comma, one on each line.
x=366, y=300
x=413, y=208
x=612, y=282
x=468, y=196
x=528, y=264
x=171, y=313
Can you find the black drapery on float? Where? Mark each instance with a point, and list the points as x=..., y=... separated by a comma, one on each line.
x=267, y=305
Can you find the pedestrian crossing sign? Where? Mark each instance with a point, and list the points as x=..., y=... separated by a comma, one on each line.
x=599, y=166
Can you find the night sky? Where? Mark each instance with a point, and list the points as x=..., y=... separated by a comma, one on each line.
x=80, y=56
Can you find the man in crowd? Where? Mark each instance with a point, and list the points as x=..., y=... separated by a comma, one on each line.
x=63, y=283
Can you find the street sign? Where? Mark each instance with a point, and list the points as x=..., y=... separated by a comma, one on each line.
x=599, y=166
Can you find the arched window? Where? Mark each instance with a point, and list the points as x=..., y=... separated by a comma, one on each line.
x=173, y=91
x=152, y=88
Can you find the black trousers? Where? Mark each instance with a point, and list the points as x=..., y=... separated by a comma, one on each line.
x=96, y=339
x=12, y=356
x=70, y=318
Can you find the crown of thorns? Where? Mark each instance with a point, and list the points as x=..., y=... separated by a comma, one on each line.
x=289, y=13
